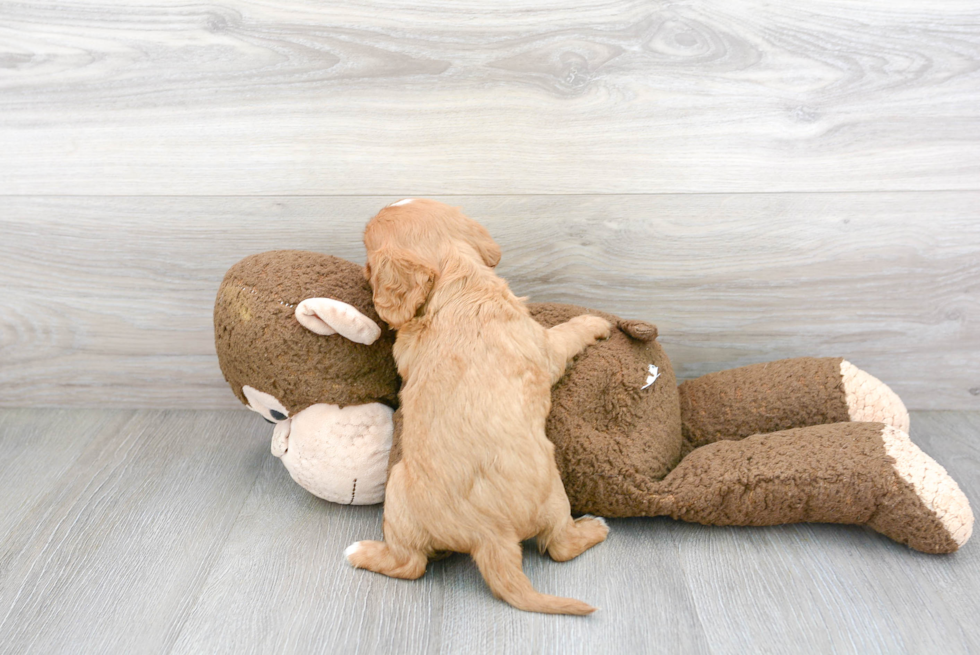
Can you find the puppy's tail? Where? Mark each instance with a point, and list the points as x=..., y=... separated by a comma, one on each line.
x=500, y=564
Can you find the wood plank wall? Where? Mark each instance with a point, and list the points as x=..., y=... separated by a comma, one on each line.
x=761, y=180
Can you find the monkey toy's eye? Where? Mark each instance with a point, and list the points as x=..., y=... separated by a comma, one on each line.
x=263, y=404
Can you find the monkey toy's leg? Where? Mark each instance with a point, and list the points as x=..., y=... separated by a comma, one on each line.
x=857, y=473
x=785, y=394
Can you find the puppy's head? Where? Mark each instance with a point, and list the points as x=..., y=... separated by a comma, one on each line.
x=409, y=245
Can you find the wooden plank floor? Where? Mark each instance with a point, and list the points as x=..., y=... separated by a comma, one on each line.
x=138, y=531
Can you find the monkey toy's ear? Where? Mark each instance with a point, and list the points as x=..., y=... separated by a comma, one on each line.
x=327, y=316
x=639, y=330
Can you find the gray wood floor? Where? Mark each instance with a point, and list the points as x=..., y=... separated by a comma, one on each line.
x=139, y=531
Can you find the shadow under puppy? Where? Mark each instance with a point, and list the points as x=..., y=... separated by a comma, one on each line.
x=477, y=473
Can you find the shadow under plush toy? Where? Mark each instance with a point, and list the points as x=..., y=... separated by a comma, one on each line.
x=798, y=440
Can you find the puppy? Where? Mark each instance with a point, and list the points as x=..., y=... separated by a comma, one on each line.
x=477, y=473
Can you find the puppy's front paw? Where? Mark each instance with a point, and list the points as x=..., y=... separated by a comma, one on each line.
x=594, y=326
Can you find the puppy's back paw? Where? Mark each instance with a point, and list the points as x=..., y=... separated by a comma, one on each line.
x=594, y=526
x=377, y=556
x=579, y=536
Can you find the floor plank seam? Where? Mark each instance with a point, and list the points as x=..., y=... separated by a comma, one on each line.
x=51, y=537
x=690, y=594
x=206, y=578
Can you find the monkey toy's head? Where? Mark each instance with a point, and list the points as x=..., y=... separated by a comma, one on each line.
x=300, y=343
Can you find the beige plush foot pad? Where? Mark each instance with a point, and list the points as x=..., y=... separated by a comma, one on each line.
x=936, y=490
x=870, y=400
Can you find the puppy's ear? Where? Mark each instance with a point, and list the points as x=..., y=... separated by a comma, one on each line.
x=401, y=283
x=480, y=239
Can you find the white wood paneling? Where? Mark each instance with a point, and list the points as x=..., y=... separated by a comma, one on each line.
x=376, y=97
x=108, y=301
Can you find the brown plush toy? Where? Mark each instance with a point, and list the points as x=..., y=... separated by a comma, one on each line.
x=798, y=440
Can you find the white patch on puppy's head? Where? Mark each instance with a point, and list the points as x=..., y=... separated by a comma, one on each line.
x=402, y=202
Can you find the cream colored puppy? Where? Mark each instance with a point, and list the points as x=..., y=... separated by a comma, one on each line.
x=477, y=474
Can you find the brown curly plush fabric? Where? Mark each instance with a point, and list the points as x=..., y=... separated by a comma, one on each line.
x=260, y=342
x=838, y=473
x=759, y=445
x=772, y=396
x=608, y=431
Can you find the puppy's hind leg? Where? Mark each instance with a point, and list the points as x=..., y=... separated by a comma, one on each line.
x=576, y=537
x=390, y=560
x=563, y=538
x=404, y=552
x=568, y=339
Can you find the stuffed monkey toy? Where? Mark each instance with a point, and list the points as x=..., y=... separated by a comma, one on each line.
x=797, y=440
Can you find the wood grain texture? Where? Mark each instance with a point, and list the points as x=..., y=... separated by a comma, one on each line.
x=178, y=532
x=36, y=453
x=281, y=584
x=111, y=558
x=408, y=97
x=635, y=578
x=108, y=301
x=825, y=588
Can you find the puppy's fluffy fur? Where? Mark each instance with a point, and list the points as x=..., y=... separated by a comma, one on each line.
x=477, y=473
